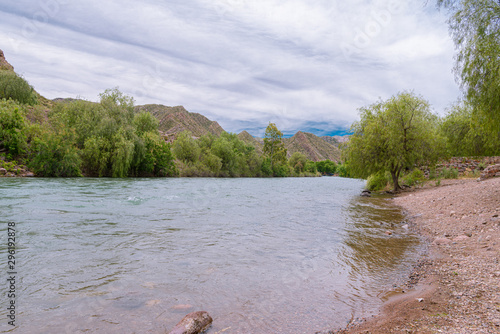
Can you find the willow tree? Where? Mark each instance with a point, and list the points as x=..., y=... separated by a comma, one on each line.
x=475, y=29
x=392, y=136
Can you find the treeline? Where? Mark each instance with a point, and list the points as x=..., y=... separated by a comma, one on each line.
x=81, y=138
x=395, y=136
x=109, y=139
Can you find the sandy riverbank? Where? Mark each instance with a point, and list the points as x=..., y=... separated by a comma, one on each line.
x=459, y=284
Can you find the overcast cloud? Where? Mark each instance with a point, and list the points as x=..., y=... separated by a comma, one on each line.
x=304, y=64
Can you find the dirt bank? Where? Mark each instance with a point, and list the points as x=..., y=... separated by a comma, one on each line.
x=459, y=286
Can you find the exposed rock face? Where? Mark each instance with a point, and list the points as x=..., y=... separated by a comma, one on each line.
x=314, y=147
x=491, y=171
x=174, y=120
x=4, y=65
x=193, y=323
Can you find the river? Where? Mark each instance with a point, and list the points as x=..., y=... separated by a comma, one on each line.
x=278, y=255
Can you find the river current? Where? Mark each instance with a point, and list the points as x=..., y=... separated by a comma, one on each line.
x=291, y=255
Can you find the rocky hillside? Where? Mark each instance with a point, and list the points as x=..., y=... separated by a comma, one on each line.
x=312, y=146
x=4, y=65
x=177, y=119
x=335, y=140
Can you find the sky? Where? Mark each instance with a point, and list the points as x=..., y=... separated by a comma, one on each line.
x=303, y=64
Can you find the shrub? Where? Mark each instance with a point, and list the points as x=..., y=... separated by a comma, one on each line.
x=449, y=173
x=16, y=88
x=414, y=178
x=12, y=128
x=55, y=154
x=298, y=162
x=377, y=182
x=326, y=167
x=343, y=170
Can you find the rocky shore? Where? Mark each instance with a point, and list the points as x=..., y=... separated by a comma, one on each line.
x=458, y=289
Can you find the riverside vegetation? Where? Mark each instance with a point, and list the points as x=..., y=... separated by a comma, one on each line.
x=392, y=139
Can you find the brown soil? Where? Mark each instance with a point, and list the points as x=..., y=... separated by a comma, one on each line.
x=459, y=285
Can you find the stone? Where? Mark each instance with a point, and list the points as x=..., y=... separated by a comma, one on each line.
x=29, y=174
x=490, y=171
x=4, y=65
x=193, y=323
x=441, y=241
x=3, y=171
x=461, y=238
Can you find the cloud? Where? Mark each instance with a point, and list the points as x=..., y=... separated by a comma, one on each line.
x=302, y=64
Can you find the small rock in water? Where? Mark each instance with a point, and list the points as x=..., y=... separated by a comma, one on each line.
x=388, y=232
x=366, y=193
x=193, y=323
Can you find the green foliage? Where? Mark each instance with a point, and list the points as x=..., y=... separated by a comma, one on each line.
x=449, y=173
x=414, y=178
x=298, y=162
x=393, y=135
x=465, y=133
x=56, y=155
x=223, y=156
x=311, y=167
x=377, y=181
x=326, y=167
x=145, y=122
x=16, y=88
x=13, y=138
x=475, y=29
x=107, y=139
x=186, y=148
x=274, y=149
x=343, y=170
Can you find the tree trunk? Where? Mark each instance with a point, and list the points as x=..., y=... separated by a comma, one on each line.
x=395, y=180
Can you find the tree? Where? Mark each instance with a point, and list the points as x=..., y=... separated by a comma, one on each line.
x=274, y=147
x=466, y=134
x=298, y=162
x=326, y=167
x=475, y=29
x=391, y=136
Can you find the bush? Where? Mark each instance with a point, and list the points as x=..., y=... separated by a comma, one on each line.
x=298, y=162
x=326, y=167
x=414, y=178
x=16, y=88
x=449, y=173
x=12, y=128
x=377, y=182
x=343, y=170
x=56, y=155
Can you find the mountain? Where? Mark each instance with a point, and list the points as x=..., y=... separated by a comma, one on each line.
x=4, y=64
x=177, y=119
x=335, y=140
x=314, y=147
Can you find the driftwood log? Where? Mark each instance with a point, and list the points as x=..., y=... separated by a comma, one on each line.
x=193, y=323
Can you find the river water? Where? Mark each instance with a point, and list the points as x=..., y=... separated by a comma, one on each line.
x=291, y=255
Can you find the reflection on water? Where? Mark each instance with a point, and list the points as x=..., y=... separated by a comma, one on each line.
x=260, y=255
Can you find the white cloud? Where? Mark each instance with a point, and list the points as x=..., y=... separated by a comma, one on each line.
x=240, y=62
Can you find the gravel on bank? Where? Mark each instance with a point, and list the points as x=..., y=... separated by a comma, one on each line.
x=459, y=284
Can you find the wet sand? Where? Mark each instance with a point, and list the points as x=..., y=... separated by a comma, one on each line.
x=456, y=288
